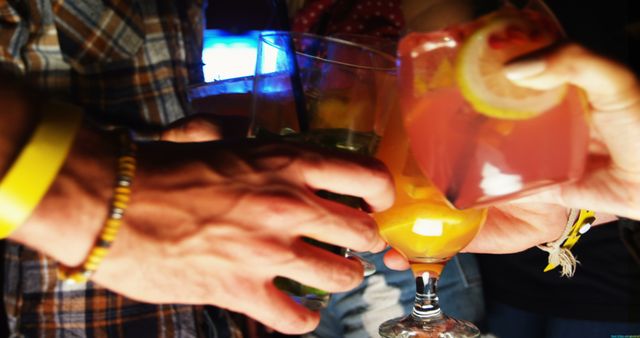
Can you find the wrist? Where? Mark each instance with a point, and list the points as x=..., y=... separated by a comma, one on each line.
x=66, y=222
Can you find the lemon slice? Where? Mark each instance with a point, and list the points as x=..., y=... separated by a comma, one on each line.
x=478, y=68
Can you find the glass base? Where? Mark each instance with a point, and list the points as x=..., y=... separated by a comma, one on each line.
x=439, y=327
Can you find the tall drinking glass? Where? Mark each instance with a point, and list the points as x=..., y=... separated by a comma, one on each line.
x=324, y=91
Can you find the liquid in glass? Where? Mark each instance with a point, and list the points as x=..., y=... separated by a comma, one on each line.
x=479, y=137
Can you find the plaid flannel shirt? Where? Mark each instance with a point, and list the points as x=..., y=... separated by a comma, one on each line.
x=127, y=62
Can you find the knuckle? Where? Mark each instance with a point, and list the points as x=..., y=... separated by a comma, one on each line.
x=569, y=58
x=308, y=161
x=382, y=179
x=270, y=252
x=279, y=205
x=335, y=275
x=274, y=163
x=277, y=197
x=300, y=252
x=345, y=276
x=366, y=234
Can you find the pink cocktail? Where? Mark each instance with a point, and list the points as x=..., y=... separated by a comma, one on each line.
x=478, y=137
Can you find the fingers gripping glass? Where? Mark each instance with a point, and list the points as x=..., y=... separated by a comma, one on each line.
x=327, y=92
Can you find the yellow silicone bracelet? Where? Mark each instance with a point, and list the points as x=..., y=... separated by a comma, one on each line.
x=37, y=165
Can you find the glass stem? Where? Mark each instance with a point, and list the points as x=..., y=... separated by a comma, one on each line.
x=426, y=304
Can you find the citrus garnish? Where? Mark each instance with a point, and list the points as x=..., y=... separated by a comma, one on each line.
x=478, y=68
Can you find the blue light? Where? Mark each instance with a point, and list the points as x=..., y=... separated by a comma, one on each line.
x=227, y=56
x=229, y=62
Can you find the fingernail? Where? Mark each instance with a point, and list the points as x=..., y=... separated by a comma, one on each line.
x=523, y=69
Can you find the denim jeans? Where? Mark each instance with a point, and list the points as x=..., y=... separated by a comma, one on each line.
x=389, y=294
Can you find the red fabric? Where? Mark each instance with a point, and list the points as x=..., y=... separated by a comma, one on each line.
x=381, y=18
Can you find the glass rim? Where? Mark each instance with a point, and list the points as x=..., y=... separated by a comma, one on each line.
x=385, y=56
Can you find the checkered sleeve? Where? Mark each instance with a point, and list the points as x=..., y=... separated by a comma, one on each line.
x=129, y=62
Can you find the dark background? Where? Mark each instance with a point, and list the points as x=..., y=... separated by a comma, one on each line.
x=611, y=27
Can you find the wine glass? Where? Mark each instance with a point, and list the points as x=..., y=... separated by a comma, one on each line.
x=468, y=138
x=428, y=231
x=324, y=91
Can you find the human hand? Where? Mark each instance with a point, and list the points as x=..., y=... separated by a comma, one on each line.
x=214, y=223
x=611, y=182
x=521, y=224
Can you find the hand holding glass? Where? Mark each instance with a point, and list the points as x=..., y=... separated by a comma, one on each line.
x=477, y=137
x=480, y=138
x=326, y=92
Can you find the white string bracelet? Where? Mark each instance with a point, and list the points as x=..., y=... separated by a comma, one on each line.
x=578, y=223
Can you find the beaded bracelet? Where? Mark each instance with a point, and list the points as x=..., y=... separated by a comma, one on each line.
x=110, y=228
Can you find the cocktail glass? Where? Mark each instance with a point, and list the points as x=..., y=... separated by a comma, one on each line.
x=327, y=92
x=480, y=138
x=428, y=231
x=467, y=138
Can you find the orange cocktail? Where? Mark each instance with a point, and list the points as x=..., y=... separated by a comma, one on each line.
x=421, y=225
x=426, y=229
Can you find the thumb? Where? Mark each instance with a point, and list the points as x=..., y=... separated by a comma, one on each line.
x=609, y=85
x=613, y=92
